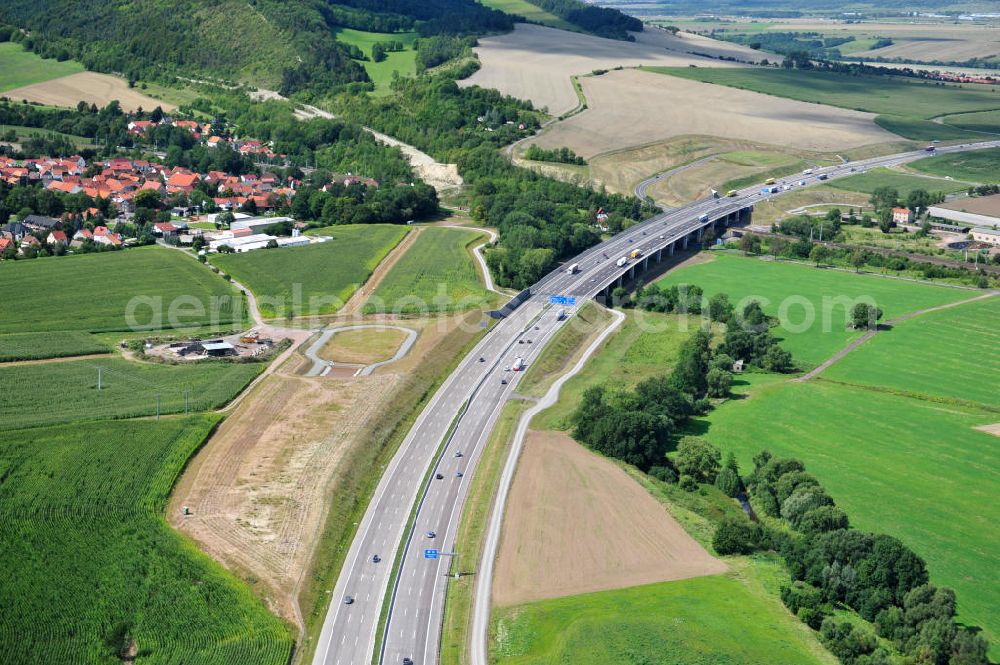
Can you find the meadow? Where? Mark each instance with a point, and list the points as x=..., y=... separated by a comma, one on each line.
x=984, y=121
x=19, y=67
x=869, y=181
x=404, y=62
x=437, y=274
x=92, y=292
x=323, y=275
x=790, y=291
x=906, y=105
x=99, y=573
x=911, y=468
x=714, y=619
x=531, y=12
x=981, y=166
x=33, y=346
x=646, y=345
x=951, y=354
x=58, y=392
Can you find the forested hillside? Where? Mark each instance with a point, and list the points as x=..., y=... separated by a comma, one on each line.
x=286, y=44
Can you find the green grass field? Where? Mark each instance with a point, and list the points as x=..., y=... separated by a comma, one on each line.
x=50, y=393
x=437, y=274
x=985, y=121
x=32, y=346
x=797, y=289
x=976, y=166
x=911, y=468
x=906, y=106
x=404, y=62
x=93, y=292
x=531, y=12
x=19, y=68
x=951, y=353
x=707, y=620
x=94, y=565
x=323, y=275
x=27, y=132
x=868, y=182
x=646, y=345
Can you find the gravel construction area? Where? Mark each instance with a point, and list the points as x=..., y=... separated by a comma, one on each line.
x=577, y=523
x=632, y=107
x=536, y=63
x=89, y=87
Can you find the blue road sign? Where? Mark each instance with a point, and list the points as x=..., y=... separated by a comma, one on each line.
x=562, y=300
x=430, y=554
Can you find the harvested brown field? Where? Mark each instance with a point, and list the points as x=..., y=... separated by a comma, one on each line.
x=634, y=108
x=363, y=347
x=577, y=523
x=536, y=63
x=89, y=87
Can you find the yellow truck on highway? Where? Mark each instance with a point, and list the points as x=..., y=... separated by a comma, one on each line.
x=770, y=181
x=635, y=253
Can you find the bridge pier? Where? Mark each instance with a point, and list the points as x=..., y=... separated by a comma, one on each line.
x=671, y=248
x=659, y=255
x=684, y=242
x=701, y=233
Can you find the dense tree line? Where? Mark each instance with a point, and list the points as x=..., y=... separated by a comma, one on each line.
x=601, y=21
x=833, y=566
x=358, y=204
x=812, y=43
x=560, y=155
x=541, y=220
x=438, y=49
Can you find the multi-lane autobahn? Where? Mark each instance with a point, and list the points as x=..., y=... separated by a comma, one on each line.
x=423, y=490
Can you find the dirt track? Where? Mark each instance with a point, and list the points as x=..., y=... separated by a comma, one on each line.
x=89, y=87
x=577, y=523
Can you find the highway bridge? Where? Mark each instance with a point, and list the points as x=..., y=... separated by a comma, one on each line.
x=418, y=502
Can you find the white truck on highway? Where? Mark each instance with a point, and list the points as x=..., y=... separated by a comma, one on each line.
x=703, y=217
x=622, y=261
x=573, y=269
x=518, y=364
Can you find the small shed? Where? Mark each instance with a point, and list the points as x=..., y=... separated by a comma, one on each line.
x=219, y=349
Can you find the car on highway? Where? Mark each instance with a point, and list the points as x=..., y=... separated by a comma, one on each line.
x=458, y=453
x=459, y=474
x=439, y=476
x=376, y=558
x=482, y=359
x=503, y=382
x=520, y=341
x=431, y=534
x=348, y=600
x=407, y=661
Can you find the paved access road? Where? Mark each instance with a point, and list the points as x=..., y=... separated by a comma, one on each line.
x=413, y=629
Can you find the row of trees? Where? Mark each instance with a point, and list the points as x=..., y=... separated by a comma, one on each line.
x=601, y=21
x=358, y=204
x=559, y=155
x=833, y=566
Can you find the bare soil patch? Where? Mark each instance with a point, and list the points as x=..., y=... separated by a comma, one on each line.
x=363, y=347
x=993, y=429
x=261, y=489
x=89, y=87
x=258, y=491
x=536, y=63
x=577, y=523
x=633, y=108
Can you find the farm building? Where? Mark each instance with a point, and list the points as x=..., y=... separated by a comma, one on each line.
x=902, y=215
x=258, y=224
x=979, y=211
x=242, y=244
x=988, y=236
